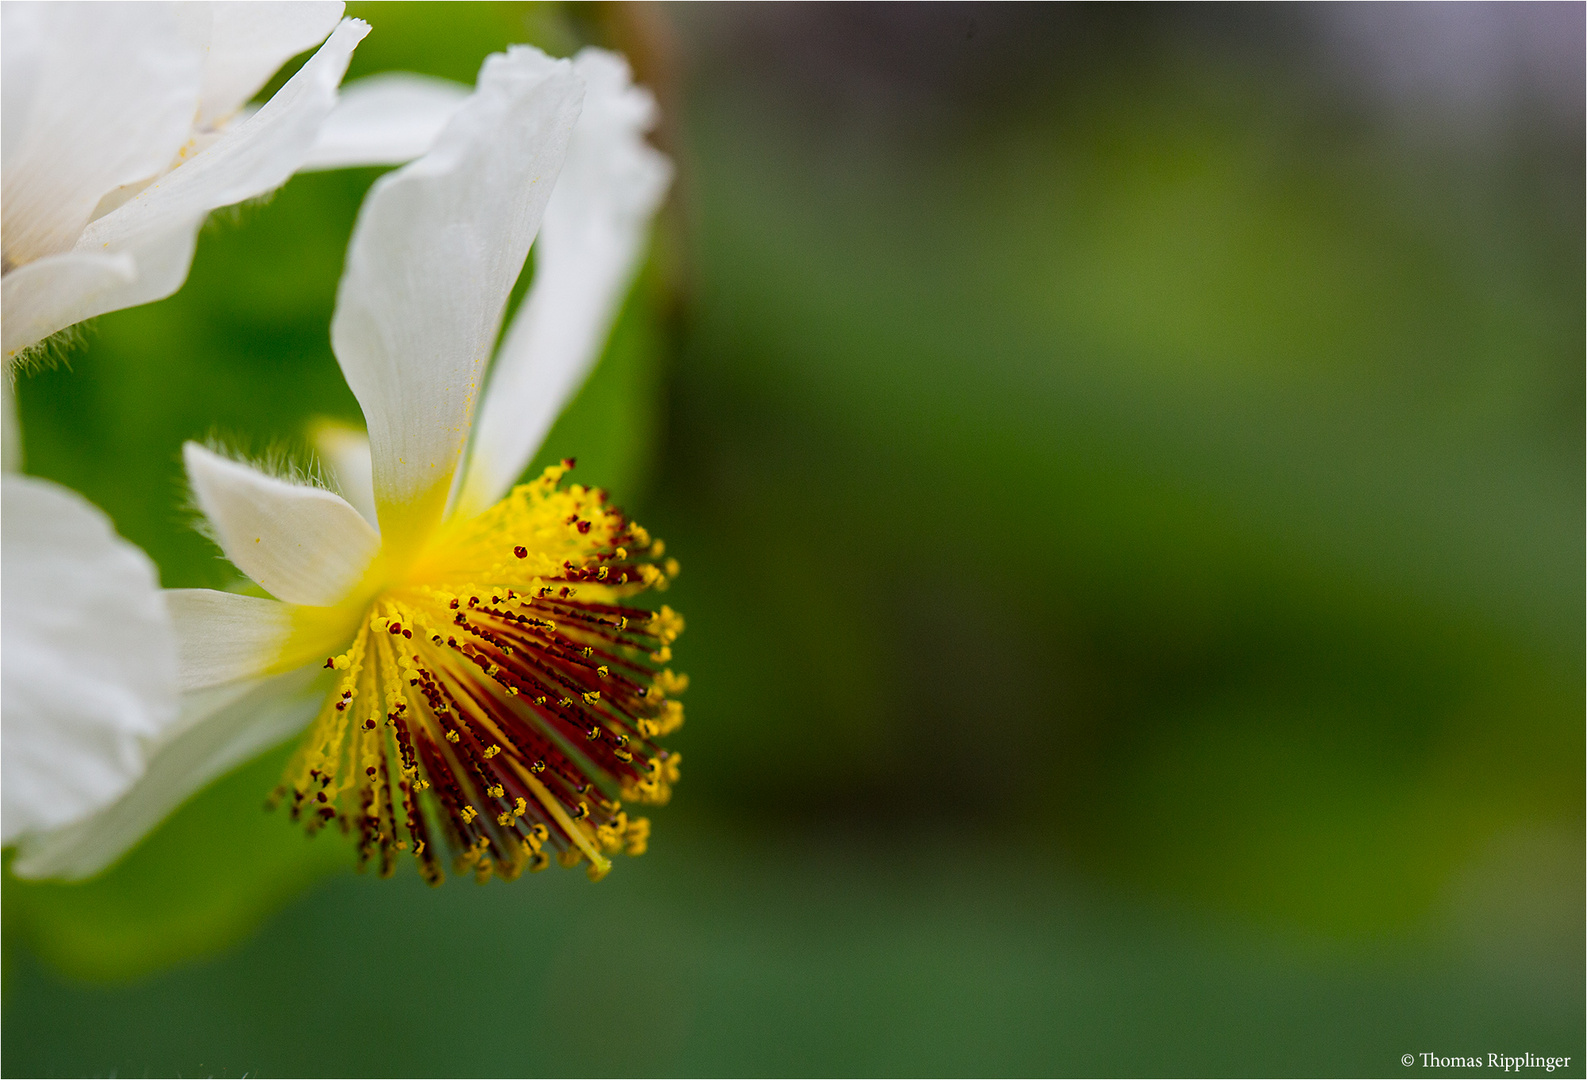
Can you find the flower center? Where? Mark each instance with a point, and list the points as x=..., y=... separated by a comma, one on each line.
x=502, y=698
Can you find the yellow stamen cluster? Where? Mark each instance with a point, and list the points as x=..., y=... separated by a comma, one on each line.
x=504, y=695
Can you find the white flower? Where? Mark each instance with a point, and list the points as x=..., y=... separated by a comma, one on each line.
x=126, y=124
x=89, y=664
x=478, y=680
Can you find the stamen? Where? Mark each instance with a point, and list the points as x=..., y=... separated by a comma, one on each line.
x=506, y=695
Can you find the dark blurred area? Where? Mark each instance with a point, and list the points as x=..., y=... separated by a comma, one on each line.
x=1126, y=437
x=1127, y=464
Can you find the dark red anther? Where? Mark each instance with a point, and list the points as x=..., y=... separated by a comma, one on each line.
x=330, y=661
x=584, y=526
x=407, y=633
x=396, y=628
x=568, y=463
x=521, y=551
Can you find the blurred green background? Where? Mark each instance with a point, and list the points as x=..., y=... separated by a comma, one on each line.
x=1127, y=467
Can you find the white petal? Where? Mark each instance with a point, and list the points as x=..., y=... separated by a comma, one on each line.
x=253, y=156
x=304, y=544
x=88, y=672
x=344, y=452
x=52, y=293
x=250, y=41
x=24, y=41
x=219, y=729
x=105, y=97
x=141, y=251
x=224, y=637
x=436, y=249
x=585, y=258
x=385, y=120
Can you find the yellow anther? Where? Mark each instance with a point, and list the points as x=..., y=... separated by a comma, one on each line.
x=453, y=737
x=591, y=696
x=491, y=751
x=468, y=814
x=603, y=671
x=495, y=791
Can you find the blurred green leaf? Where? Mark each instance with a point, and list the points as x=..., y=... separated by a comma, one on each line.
x=208, y=876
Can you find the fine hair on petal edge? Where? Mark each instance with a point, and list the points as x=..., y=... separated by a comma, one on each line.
x=51, y=352
x=289, y=460
x=237, y=214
